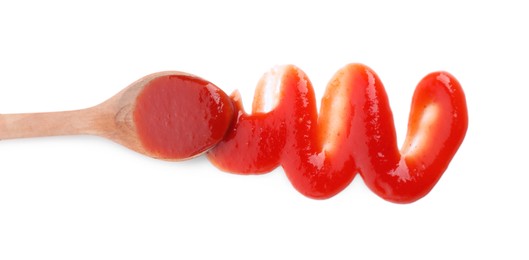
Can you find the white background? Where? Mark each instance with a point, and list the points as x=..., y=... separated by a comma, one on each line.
x=84, y=197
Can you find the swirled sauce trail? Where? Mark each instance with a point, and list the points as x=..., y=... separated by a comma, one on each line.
x=353, y=133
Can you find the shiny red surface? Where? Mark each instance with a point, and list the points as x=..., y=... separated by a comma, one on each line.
x=181, y=116
x=354, y=132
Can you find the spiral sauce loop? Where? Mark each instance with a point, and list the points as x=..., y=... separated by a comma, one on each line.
x=354, y=132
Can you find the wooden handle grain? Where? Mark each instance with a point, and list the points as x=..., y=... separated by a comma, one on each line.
x=84, y=121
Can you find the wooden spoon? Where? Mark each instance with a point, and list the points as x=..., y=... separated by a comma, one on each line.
x=167, y=115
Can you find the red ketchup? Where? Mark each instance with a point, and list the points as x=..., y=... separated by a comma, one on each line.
x=354, y=132
x=181, y=116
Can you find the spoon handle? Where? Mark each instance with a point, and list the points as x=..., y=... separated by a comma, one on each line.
x=83, y=121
